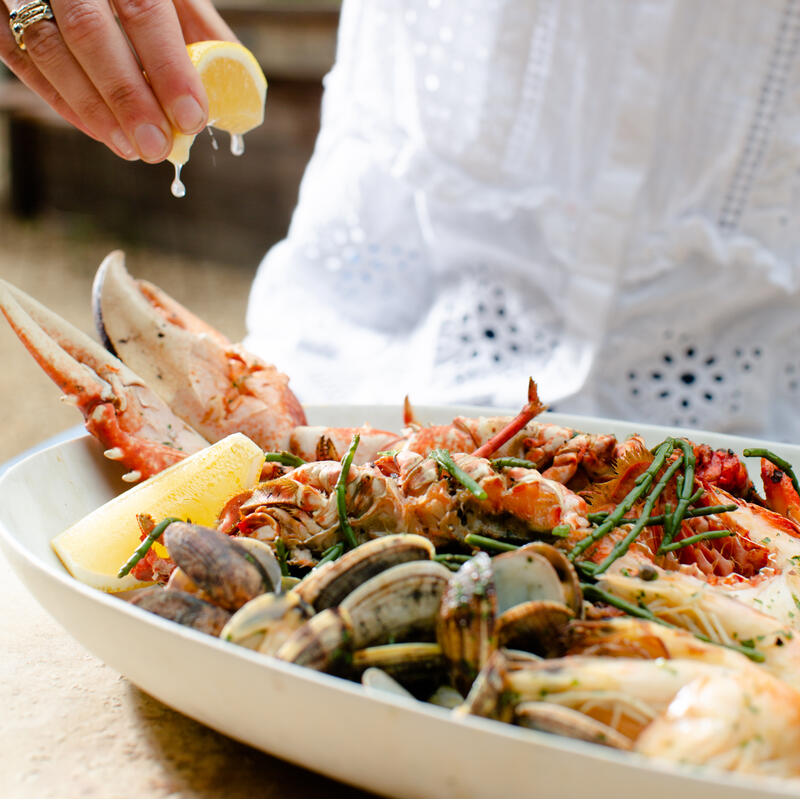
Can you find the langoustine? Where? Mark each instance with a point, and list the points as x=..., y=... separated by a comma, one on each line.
x=404, y=492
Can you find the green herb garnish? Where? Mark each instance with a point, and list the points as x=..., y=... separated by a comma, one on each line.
x=781, y=463
x=485, y=543
x=341, y=490
x=287, y=459
x=659, y=519
x=331, y=554
x=282, y=553
x=445, y=461
x=692, y=539
x=642, y=484
x=500, y=463
x=147, y=543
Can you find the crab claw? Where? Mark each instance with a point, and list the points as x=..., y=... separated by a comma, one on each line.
x=214, y=386
x=134, y=425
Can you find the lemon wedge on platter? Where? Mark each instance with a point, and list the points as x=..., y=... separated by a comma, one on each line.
x=236, y=89
x=197, y=488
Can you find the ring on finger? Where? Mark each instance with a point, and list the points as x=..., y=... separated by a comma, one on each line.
x=26, y=15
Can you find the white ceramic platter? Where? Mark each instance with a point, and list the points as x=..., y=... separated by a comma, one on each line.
x=388, y=745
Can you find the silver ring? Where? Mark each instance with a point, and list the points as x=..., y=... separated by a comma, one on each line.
x=26, y=15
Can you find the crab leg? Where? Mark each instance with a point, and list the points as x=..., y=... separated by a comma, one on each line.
x=215, y=386
x=134, y=425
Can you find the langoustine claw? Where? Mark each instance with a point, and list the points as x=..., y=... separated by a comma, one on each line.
x=134, y=425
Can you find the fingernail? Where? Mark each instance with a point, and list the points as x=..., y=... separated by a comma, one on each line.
x=151, y=141
x=188, y=114
x=120, y=141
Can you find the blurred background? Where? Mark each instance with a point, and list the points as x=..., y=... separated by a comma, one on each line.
x=66, y=201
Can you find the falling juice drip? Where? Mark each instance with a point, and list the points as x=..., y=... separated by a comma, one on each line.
x=178, y=189
x=237, y=144
x=214, y=142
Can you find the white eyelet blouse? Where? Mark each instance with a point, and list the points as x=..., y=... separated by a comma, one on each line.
x=602, y=195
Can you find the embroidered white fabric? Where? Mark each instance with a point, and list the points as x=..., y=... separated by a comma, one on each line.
x=601, y=195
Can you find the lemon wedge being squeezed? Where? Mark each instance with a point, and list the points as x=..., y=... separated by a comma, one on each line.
x=237, y=91
x=196, y=489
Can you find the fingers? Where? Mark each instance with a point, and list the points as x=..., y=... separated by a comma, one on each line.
x=155, y=33
x=86, y=68
x=89, y=52
x=200, y=21
x=57, y=78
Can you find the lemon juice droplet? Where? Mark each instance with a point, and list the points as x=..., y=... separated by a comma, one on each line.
x=177, y=188
x=214, y=142
x=237, y=144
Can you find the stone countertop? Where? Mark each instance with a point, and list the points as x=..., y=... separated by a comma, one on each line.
x=73, y=727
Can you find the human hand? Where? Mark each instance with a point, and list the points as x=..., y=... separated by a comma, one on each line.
x=83, y=66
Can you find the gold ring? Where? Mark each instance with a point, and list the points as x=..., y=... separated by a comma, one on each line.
x=26, y=15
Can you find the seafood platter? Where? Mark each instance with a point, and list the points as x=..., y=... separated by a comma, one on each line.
x=445, y=601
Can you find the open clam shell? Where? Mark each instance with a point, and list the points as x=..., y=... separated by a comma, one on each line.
x=537, y=626
x=399, y=603
x=267, y=621
x=265, y=556
x=529, y=574
x=331, y=583
x=564, y=721
x=417, y=666
x=487, y=697
x=322, y=643
x=565, y=571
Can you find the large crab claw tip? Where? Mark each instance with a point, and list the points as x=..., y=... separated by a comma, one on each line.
x=115, y=260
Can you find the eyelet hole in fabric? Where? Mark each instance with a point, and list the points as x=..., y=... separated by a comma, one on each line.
x=689, y=385
x=490, y=328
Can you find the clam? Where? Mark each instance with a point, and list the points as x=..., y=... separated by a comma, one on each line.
x=400, y=603
x=465, y=626
x=183, y=608
x=536, y=626
x=488, y=697
x=522, y=599
x=228, y=571
x=417, y=666
x=267, y=621
x=329, y=584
